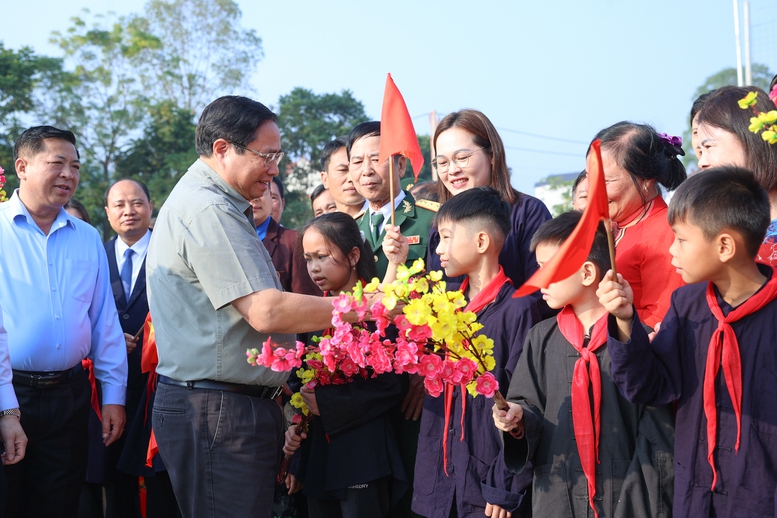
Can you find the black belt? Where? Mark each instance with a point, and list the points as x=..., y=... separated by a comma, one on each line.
x=248, y=390
x=45, y=379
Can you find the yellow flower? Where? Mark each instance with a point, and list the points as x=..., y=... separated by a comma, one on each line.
x=421, y=285
x=749, y=100
x=490, y=363
x=403, y=273
x=444, y=328
x=401, y=290
x=483, y=342
x=756, y=124
x=390, y=301
x=472, y=388
x=769, y=117
x=418, y=266
x=297, y=402
x=372, y=286
x=770, y=136
x=358, y=291
x=435, y=276
x=417, y=312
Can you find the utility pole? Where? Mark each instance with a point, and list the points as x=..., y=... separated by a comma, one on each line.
x=740, y=79
x=748, y=64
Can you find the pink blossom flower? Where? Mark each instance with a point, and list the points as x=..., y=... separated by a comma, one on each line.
x=379, y=360
x=486, y=384
x=342, y=303
x=449, y=372
x=467, y=368
x=356, y=354
x=348, y=367
x=324, y=378
x=402, y=323
x=430, y=365
x=420, y=333
x=433, y=385
x=315, y=364
x=773, y=94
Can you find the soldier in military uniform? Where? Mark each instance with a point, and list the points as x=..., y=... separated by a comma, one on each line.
x=372, y=181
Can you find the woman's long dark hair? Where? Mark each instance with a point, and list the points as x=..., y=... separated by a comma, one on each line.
x=342, y=234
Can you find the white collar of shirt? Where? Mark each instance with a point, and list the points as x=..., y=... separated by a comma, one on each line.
x=386, y=210
x=140, y=248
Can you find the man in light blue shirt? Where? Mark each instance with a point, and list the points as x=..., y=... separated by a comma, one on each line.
x=58, y=309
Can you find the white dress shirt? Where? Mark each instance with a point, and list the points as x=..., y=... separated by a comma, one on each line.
x=140, y=248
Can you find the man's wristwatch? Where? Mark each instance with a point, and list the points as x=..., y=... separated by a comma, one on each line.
x=17, y=413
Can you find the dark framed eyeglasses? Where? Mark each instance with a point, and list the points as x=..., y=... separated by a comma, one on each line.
x=269, y=158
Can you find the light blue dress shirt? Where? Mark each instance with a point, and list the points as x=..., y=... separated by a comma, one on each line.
x=56, y=298
x=7, y=394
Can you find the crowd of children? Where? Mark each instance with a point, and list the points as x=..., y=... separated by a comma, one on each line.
x=609, y=415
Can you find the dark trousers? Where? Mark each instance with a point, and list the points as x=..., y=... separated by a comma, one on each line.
x=221, y=450
x=48, y=481
x=371, y=499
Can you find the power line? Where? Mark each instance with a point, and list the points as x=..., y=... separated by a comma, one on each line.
x=579, y=155
x=543, y=136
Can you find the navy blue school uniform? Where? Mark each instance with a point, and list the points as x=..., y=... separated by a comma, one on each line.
x=507, y=321
x=671, y=368
x=519, y=263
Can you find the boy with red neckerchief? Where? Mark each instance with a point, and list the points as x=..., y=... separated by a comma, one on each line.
x=592, y=450
x=457, y=443
x=715, y=354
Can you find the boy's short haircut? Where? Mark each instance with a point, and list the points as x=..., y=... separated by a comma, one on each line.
x=578, y=181
x=558, y=229
x=479, y=205
x=723, y=198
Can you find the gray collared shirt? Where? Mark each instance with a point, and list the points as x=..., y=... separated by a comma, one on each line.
x=204, y=254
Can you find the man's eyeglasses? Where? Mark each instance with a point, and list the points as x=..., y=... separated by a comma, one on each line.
x=269, y=158
x=462, y=159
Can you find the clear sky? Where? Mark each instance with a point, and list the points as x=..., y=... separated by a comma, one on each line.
x=563, y=69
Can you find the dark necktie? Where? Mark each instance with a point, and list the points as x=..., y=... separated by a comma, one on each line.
x=376, y=219
x=126, y=274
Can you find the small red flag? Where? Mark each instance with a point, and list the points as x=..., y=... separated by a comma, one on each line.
x=574, y=251
x=397, y=134
x=149, y=358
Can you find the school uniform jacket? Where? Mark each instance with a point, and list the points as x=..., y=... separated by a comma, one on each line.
x=634, y=476
x=671, y=368
x=507, y=321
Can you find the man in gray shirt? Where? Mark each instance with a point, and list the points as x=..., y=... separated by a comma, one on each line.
x=213, y=293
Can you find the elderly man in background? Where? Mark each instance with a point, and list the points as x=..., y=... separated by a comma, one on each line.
x=213, y=293
x=58, y=310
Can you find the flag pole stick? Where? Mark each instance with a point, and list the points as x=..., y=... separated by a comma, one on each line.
x=391, y=186
x=611, y=245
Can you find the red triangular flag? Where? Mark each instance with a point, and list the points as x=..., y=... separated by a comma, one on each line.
x=149, y=358
x=397, y=134
x=574, y=251
x=152, y=450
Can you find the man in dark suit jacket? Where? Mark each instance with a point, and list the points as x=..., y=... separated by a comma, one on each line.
x=281, y=244
x=129, y=209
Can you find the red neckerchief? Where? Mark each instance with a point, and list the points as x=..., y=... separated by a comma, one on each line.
x=88, y=365
x=587, y=427
x=485, y=297
x=724, y=349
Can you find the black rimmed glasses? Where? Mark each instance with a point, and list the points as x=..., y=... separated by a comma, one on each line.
x=461, y=159
x=269, y=158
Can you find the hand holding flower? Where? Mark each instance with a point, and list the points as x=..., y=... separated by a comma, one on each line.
x=293, y=440
x=309, y=397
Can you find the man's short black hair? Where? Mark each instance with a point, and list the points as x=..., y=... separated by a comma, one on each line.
x=330, y=149
x=555, y=231
x=31, y=141
x=277, y=181
x=139, y=184
x=724, y=198
x=365, y=129
x=232, y=118
x=318, y=191
x=481, y=206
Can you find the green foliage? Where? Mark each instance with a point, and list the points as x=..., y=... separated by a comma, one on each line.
x=762, y=76
x=21, y=73
x=555, y=183
x=203, y=52
x=307, y=122
x=424, y=142
x=163, y=153
x=297, y=211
